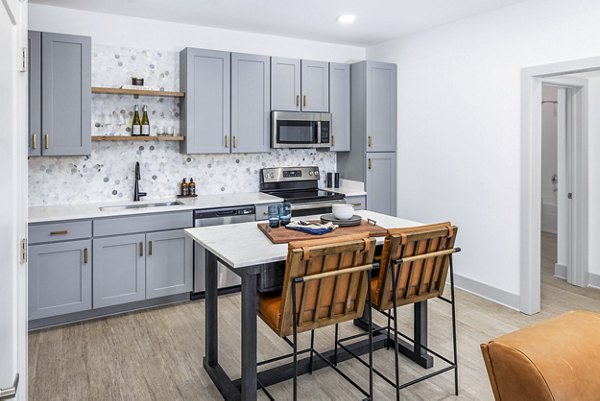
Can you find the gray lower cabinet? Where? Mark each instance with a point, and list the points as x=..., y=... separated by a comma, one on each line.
x=169, y=263
x=250, y=103
x=285, y=84
x=357, y=202
x=60, y=278
x=315, y=86
x=119, y=270
x=60, y=100
x=205, y=110
x=381, y=182
x=339, y=105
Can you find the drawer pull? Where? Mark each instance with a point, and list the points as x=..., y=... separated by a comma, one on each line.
x=369, y=164
x=357, y=204
x=46, y=141
x=150, y=248
x=85, y=255
x=141, y=249
x=61, y=232
x=226, y=141
x=305, y=100
x=370, y=141
x=34, y=141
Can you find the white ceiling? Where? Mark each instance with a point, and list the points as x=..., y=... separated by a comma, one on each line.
x=377, y=20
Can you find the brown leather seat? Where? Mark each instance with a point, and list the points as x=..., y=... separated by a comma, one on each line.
x=336, y=296
x=556, y=360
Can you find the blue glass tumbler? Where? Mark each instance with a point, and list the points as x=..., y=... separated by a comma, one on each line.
x=285, y=213
x=273, y=216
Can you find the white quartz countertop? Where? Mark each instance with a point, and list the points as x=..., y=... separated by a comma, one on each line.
x=242, y=245
x=349, y=188
x=42, y=214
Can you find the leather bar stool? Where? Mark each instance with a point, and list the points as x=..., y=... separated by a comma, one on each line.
x=415, y=263
x=326, y=282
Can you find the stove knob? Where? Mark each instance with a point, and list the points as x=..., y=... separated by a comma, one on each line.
x=272, y=175
x=310, y=173
x=316, y=173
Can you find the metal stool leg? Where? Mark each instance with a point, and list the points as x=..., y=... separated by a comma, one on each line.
x=312, y=347
x=335, y=347
x=370, y=312
x=396, y=354
x=454, y=327
x=295, y=339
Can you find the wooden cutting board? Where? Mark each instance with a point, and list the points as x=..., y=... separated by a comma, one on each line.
x=282, y=235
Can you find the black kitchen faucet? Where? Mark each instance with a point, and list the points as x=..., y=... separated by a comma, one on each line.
x=136, y=188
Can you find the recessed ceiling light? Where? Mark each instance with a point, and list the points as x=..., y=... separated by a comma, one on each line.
x=346, y=18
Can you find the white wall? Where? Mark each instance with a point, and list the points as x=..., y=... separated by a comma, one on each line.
x=459, y=123
x=549, y=141
x=124, y=31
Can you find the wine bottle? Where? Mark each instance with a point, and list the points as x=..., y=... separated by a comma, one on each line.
x=145, y=122
x=135, y=126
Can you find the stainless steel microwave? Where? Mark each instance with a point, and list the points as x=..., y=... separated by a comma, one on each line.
x=293, y=129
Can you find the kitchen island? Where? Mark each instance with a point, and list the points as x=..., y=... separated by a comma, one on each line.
x=243, y=248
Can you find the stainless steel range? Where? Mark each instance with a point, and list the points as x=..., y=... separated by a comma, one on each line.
x=300, y=187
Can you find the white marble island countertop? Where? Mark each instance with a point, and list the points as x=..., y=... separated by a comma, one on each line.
x=242, y=245
x=43, y=214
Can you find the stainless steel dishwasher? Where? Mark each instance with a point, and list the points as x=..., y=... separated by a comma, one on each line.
x=216, y=217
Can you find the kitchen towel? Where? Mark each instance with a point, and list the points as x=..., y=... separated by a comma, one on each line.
x=317, y=229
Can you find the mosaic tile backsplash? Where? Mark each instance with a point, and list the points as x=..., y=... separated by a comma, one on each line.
x=107, y=174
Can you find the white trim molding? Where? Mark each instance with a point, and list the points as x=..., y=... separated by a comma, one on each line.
x=560, y=271
x=487, y=291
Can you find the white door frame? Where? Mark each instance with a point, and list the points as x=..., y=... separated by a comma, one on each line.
x=13, y=203
x=532, y=79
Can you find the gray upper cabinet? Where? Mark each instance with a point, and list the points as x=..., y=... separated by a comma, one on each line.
x=119, y=270
x=250, y=103
x=35, y=93
x=60, y=278
x=169, y=263
x=315, y=86
x=65, y=94
x=381, y=182
x=339, y=102
x=205, y=110
x=285, y=84
x=380, y=106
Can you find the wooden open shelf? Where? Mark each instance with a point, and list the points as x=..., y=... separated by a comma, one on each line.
x=100, y=138
x=119, y=91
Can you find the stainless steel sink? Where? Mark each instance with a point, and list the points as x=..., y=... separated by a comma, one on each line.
x=138, y=206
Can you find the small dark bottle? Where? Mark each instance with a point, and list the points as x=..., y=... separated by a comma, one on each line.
x=192, y=188
x=184, y=188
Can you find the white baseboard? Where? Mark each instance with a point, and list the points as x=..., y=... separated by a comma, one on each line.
x=488, y=292
x=594, y=280
x=560, y=271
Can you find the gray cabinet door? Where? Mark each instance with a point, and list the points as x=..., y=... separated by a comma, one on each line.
x=285, y=84
x=35, y=93
x=66, y=95
x=119, y=270
x=339, y=102
x=315, y=86
x=381, y=182
x=60, y=278
x=169, y=263
x=381, y=107
x=205, y=118
x=250, y=103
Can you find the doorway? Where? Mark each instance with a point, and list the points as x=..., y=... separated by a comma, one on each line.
x=572, y=189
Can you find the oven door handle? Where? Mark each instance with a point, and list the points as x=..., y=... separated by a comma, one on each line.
x=315, y=205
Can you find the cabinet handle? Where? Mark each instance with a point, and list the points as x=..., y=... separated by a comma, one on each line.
x=141, y=249
x=34, y=141
x=357, y=204
x=304, y=100
x=85, y=255
x=297, y=100
x=61, y=232
x=369, y=163
x=46, y=141
x=265, y=213
x=235, y=141
x=370, y=141
x=332, y=140
x=226, y=141
x=150, y=248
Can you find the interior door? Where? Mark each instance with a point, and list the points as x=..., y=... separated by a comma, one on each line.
x=13, y=205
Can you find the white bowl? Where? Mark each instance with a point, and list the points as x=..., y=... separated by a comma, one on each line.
x=343, y=211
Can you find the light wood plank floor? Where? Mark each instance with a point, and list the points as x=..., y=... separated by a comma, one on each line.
x=156, y=354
